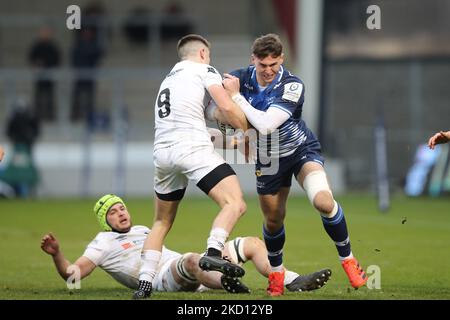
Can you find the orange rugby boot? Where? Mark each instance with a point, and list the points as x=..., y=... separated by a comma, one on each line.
x=354, y=272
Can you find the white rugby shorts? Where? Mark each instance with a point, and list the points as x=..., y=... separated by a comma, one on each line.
x=176, y=165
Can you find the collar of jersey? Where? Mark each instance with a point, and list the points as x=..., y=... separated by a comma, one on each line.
x=272, y=84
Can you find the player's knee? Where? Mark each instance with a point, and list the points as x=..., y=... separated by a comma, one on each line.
x=254, y=243
x=242, y=207
x=318, y=191
x=237, y=205
x=324, y=202
x=190, y=263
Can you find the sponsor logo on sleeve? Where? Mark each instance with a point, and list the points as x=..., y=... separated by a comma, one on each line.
x=292, y=91
x=212, y=70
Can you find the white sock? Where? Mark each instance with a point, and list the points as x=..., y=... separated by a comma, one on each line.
x=345, y=258
x=289, y=276
x=217, y=239
x=150, y=260
x=279, y=268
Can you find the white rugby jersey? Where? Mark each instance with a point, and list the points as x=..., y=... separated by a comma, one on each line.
x=119, y=254
x=180, y=104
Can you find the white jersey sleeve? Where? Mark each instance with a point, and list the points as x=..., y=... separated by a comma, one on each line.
x=211, y=77
x=96, y=250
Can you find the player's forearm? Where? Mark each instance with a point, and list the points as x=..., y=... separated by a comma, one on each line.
x=61, y=264
x=235, y=117
x=232, y=113
x=264, y=122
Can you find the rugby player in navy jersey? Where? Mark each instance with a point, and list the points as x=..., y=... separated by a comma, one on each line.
x=272, y=99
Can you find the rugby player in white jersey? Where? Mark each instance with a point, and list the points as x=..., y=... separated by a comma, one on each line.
x=117, y=250
x=183, y=152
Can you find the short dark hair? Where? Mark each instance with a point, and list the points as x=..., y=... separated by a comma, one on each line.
x=192, y=37
x=267, y=45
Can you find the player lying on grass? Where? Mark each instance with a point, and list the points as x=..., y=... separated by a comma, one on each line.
x=117, y=250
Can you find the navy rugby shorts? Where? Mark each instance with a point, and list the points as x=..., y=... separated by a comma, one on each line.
x=269, y=182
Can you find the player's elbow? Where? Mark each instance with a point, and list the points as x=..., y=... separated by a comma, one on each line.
x=239, y=207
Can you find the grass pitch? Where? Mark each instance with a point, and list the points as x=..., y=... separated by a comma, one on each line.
x=410, y=244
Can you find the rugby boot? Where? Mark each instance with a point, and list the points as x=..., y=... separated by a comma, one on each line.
x=354, y=272
x=223, y=265
x=310, y=281
x=276, y=284
x=233, y=285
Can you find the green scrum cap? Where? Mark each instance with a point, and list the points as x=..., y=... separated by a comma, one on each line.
x=102, y=207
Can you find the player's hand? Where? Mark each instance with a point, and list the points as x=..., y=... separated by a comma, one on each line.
x=438, y=138
x=49, y=244
x=2, y=153
x=231, y=84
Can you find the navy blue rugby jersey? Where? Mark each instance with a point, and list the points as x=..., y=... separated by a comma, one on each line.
x=286, y=92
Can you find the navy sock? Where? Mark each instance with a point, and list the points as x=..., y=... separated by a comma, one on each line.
x=336, y=228
x=274, y=243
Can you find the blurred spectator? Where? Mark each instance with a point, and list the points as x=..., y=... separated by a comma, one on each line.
x=22, y=129
x=23, y=126
x=175, y=23
x=95, y=19
x=2, y=153
x=44, y=55
x=86, y=55
x=136, y=27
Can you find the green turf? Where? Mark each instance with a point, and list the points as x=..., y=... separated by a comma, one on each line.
x=411, y=245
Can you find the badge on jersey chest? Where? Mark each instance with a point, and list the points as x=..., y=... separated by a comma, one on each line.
x=292, y=91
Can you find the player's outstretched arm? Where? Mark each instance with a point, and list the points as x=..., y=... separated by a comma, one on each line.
x=438, y=138
x=50, y=245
